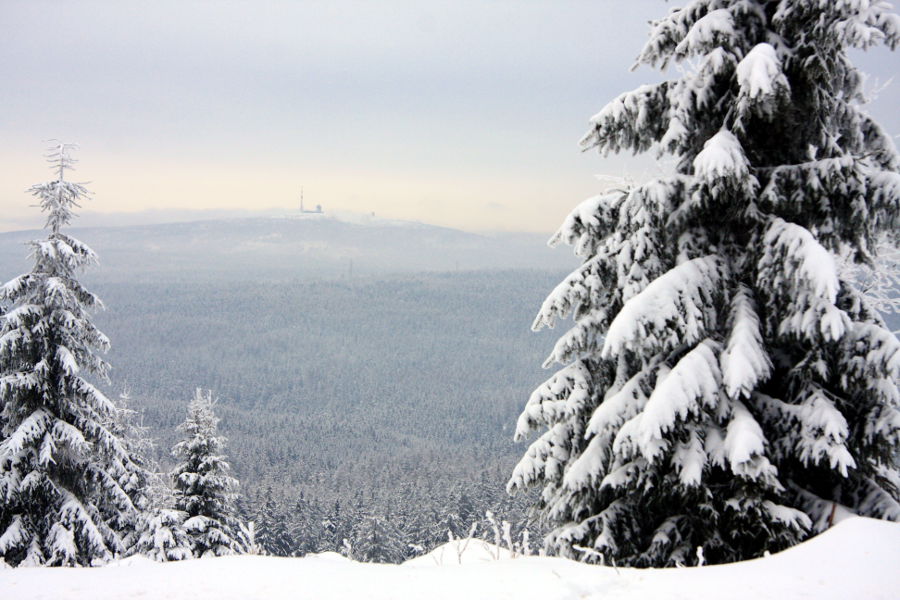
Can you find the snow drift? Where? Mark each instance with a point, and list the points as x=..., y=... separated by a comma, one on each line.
x=855, y=559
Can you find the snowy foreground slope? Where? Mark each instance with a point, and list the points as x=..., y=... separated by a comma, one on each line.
x=858, y=558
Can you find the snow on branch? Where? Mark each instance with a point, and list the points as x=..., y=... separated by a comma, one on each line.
x=878, y=502
x=689, y=457
x=557, y=399
x=714, y=30
x=604, y=522
x=691, y=385
x=58, y=198
x=544, y=459
x=621, y=404
x=699, y=28
x=744, y=447
x=75, y=516
x=722, y=157
x=634, y=121
x=63, y=251
x=19, y=316
x=871, y=370
x=691, y=98
x=874, y=351
x=591, y=221
x=676, y=308
x=819, y=431
x=759, y=74
x=878, y=282
x=795, y=519
x=745, y=362
x=867, y=24
x=762, y=84
x=624, y=473
x=586, y=286
x=15, y=534
x=618, y=235
x=856, y=23
x=584, y=339
x=845, y=199
x=66, y=361
x=721, y=173
x=800, y=277
x=70, y=436
x=28, y=432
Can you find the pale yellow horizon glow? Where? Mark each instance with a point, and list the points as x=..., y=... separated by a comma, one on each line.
x=509, y=202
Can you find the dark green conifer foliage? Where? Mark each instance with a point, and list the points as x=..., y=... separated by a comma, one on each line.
x=722, y=387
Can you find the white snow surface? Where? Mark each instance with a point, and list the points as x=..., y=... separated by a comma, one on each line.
x=759, y=73
x=465, y=551
x=722, y=157
x=856, y=558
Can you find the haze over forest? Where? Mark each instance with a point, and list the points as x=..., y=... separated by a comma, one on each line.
x=354, y=360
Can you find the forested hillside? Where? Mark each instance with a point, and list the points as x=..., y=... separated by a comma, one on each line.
x=375, y=407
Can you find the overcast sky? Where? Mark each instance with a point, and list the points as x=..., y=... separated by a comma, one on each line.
x=453, y=112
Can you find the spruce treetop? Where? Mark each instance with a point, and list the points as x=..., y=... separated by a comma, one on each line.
x=59, y=198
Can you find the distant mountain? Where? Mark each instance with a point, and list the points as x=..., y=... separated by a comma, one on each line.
x=285, y=247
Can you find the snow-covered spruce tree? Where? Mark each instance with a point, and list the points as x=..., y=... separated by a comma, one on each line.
x=158, y=531
x=722, y=387
x=61, y=466
x=204, y=490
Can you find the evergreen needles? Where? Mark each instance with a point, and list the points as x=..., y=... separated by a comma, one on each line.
x=722, y=388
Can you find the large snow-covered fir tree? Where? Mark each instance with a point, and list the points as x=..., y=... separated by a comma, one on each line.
x=722, y=387
x=204, y=490
x=62, y=468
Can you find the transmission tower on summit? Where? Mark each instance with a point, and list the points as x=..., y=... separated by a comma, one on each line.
x=316, y=211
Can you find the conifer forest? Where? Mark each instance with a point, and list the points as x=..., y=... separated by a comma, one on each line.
x=704, y=370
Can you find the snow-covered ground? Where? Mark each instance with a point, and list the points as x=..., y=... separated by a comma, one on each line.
x=856, y=559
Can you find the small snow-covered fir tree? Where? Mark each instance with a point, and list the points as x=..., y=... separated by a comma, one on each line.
x=204, y=489
x=62, y=467
x=722, y=387
x=158, y=532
